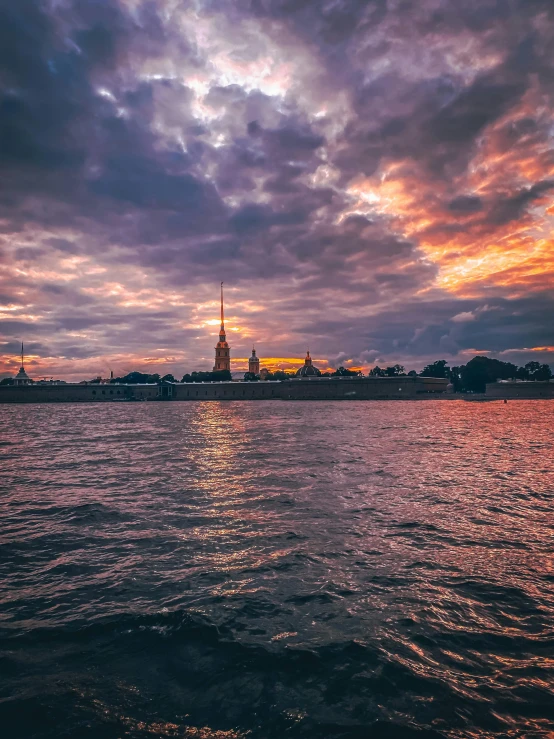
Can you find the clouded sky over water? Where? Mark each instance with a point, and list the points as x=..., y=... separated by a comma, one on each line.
x=372, y=179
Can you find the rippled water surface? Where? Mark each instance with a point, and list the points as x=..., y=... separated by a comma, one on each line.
x=277, y=569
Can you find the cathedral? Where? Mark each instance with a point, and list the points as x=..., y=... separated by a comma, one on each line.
x=223, y=356
x=222, y=350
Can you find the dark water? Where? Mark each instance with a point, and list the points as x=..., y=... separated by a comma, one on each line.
x=277, y=569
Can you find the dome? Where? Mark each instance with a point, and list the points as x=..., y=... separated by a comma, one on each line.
x=308, y=370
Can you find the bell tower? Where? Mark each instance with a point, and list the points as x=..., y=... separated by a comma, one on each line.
x=254, y=363
x=222, y=350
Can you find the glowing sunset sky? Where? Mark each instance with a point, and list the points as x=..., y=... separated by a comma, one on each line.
x=372, y=179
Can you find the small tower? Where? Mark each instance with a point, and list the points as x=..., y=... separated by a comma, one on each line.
x=254, y=363
x=22, y=378
x=222, y=350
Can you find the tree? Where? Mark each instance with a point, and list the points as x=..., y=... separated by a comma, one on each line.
x=343, y=372
x=543, y=373
x=537, y=371
x=412, y=373
x=168, y=378
x=279, y=375
x=133, y=378
x=395, y=371
x=7, y=381
x=216, y=376
x=532, y=368
x=377, y=372
x=282, y=375
x=456, y=378
x=481, y=370
x=522, y=373
x=437, y=369
x=221, y=376
x=250, y=377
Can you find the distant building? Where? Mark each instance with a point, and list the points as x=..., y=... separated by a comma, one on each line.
x=103, y=380
x=309, y=369
x=222, y=350
x=22, y=378
x=254, y=363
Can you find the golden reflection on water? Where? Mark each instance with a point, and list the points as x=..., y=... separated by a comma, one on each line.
x=218, y=426
x=224, y=455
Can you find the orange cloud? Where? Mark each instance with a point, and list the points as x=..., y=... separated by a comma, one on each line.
x=507, y=240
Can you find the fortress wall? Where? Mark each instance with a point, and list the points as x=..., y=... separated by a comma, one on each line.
x=350, y=388
x=61, y=393
x=426, y=385
x=363, y=388
x=228, y=391
x=530, y=390
x=70, y=393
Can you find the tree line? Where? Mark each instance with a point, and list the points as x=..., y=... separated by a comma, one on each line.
x=141, y=378
x=467, y=378
x=473, y=376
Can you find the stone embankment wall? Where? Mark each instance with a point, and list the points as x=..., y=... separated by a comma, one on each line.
x=352, y=388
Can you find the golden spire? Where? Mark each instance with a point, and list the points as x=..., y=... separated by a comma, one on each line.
x=222, y=351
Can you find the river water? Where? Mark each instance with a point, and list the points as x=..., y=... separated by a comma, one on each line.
x=273, y=569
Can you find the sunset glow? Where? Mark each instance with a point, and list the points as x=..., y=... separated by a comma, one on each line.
x=359, y=181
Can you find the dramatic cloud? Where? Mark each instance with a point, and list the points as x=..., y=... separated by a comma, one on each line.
x=373, y=179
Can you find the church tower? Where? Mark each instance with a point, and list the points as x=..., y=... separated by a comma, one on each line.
x=222, y=351
x=22, y=378
x=254, y=363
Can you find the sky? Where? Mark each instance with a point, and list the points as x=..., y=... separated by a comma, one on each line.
x=371, y=179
